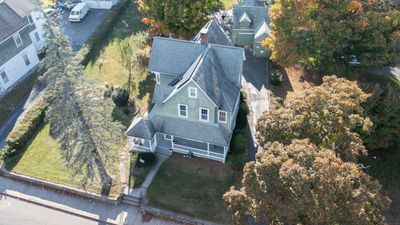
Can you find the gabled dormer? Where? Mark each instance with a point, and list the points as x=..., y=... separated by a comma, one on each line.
x=245, y=21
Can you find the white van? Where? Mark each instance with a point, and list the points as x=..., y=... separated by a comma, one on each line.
x=78, y=12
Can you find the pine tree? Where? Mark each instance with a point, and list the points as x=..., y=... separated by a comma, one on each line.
x=78, y=116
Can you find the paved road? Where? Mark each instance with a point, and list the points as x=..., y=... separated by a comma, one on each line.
x=255, y=84
x=16, y=212
x=102, y=210
x=78, y=33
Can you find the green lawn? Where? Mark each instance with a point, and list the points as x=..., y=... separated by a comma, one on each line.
x=42, y=159
x=193, y=187
x=105, y=66
x=19, y=93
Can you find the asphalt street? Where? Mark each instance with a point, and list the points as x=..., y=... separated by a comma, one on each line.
x=16, y=212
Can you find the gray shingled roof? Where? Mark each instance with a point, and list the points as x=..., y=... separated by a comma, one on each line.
x=10, y=22
x=215, y=34
x=141, y=128
x=258, y=13
x=189, y=129
x=173, y=56
x=23, y=7
x=217, y=70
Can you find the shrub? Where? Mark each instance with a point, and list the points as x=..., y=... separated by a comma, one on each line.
x=120, y=97
x=236, y=161
x=147, y=157
x=238, y=144
x=275, y=77
x=23, y=132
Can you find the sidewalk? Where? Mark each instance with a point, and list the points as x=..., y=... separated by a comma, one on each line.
x=80, y=207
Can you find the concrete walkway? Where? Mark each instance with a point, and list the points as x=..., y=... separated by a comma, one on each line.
x=20, y=110
x=120, y=213
x=141, y=192
x=255, y=84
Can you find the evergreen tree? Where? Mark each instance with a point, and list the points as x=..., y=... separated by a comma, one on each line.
x=78, y=116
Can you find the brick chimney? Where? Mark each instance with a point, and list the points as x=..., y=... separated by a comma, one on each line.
x=204, y=36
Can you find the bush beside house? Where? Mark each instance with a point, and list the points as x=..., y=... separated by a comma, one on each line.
x=24, y=131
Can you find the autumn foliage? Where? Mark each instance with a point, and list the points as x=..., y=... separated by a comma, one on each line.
x=303, y=184
x=326, y=34
x=330, y=115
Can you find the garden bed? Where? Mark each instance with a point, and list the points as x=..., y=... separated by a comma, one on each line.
x=193, y=187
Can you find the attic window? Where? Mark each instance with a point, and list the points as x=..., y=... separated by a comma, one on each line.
x=18, y=40
x=192, y=92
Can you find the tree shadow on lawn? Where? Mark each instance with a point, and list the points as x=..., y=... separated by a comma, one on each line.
x=145, y=87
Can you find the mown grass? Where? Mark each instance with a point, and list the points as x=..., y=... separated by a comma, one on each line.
x=42, y=159
x=193, y=187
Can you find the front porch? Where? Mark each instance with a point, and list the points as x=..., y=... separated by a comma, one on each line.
x=165, y=143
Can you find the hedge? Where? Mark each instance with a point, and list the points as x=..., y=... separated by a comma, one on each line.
x=102, y=31
x=24, y=131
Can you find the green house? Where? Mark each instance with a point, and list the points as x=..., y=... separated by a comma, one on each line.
x=196, y=98
x=251, y=26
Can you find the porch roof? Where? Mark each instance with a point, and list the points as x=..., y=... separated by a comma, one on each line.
x=141, y=128
x=209, y=133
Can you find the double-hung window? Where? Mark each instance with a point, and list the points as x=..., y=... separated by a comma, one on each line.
x=4, y=76
x=182, y=111
x=37, y=37
x=192, y=92
x=26, y=59
x=30, y=20
x=222, y=116
x=204, y=115
x=18, y=40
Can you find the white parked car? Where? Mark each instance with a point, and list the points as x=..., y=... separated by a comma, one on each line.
x=78, y=12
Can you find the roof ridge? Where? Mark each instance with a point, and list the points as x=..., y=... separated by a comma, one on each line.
x=174, y=39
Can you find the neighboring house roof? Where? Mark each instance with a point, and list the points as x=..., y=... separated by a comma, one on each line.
x=166, y=51
x=244, y=17
x=257, y=12
x=262, y=32
x=10, y=22
x=23, y=7
x=141, y=128
x=216, y=70
x=215, y=34
x=191, y=130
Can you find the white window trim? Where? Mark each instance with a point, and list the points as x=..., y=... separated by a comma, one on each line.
x=195, y=92
x=30, y=22
x=8, y=79
x=179, y=111
x=208, y=115
x=226, y=116
x=23, y=57
x=18, y=36
x=158, y=78
x=165, y=137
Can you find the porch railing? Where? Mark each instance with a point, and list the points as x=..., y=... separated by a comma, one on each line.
x=199, y=152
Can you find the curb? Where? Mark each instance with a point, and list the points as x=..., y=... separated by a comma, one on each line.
x=58, y=207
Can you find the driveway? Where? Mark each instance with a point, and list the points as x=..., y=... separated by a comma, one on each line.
x=78, y=33
x=255, y=84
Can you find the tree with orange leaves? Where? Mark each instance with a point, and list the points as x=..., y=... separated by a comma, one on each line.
x=326, y=34
x=180, y=17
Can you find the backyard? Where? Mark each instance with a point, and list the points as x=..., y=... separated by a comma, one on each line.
x=194, y=187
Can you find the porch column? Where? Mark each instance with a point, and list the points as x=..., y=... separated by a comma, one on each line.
x=208, y=149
